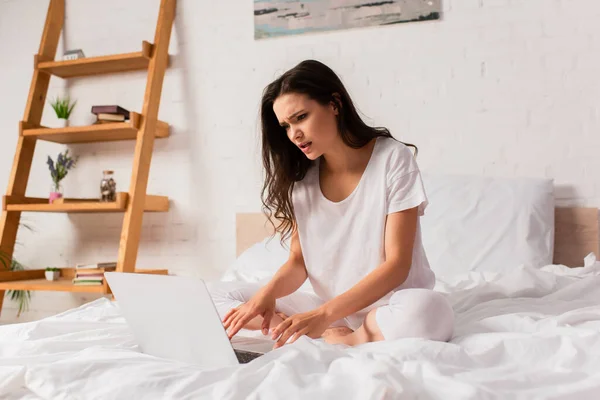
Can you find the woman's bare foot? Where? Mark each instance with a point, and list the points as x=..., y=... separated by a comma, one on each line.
x=368, y=332
x=336, y=338
x=337, y=331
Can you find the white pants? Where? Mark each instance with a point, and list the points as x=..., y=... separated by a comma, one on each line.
x=410, y=313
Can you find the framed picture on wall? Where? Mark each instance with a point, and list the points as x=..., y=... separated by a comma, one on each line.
x=291, y=17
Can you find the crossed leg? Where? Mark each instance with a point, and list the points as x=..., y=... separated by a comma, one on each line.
x=368, y=332
x=228, y=295
x=411, y=313
x=419, y=313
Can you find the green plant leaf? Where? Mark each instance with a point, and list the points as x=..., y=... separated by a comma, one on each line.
x=63, y=107
x=21, y=297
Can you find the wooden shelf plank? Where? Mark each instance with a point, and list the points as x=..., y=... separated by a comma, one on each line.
x=156, y=203
x=60, y=285
x=35, y=280
x=9, y=276
x=68, y=205
x=98, y=65
x=107, y=132
x=95, y=65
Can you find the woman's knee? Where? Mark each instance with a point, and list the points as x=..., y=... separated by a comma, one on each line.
x=228, y=295
x=238, y=291
x=420, y=313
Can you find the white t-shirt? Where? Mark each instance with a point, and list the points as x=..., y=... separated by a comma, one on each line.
x=343, y=241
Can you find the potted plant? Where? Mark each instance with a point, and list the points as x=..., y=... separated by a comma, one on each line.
x=52, y=273
x=63, y=108
x=21, y=297
x=58, y=172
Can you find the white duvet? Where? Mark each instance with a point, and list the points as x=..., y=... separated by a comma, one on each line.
x=530, y=334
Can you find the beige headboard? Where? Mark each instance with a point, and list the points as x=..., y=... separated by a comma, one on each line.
x=576, y=233
x=250, y=229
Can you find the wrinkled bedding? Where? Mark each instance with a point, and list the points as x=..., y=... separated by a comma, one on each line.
x=528, y=333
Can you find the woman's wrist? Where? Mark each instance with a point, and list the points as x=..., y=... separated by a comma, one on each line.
x=267, y=291
x=328, y=311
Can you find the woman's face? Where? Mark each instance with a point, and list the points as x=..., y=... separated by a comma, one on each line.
x=309, y=125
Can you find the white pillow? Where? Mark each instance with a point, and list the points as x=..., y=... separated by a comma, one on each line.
x=471, y=224
x=487, y=224
x=260, y=262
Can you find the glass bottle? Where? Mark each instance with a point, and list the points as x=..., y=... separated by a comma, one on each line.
x=108, y=187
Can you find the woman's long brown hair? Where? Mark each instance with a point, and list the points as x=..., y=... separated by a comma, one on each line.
x=283, y=161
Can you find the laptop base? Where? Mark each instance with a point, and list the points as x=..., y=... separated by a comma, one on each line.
x=245, y=357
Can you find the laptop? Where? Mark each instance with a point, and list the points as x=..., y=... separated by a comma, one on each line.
x=174, y=317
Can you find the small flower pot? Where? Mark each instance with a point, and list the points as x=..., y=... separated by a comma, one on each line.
x=56, y=192
x=57, y=122
x=53, y=196
x=52, y=275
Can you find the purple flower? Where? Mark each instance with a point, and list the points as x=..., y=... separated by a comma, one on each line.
x=63, y=164
x=50, y=163
x=51, y=167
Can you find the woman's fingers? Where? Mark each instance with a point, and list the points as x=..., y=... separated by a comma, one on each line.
x=229, y=313
x=227, y=320
x=229, y=317
x=281, y=327
x=286, y=335
x=239, y=324
x=266, y=321
x=301, y=332
x=232, y=323
x=235, y=327
x=242, y=320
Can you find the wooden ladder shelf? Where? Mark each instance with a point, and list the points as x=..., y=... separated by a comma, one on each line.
x=142, y=127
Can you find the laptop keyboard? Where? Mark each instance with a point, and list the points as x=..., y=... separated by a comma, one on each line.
x=246, y=356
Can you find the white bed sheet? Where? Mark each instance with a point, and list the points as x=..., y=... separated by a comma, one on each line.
x=530, y=333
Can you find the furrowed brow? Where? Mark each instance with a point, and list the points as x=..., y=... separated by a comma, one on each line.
x=291, y=116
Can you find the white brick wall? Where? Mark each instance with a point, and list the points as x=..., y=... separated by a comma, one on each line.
x=498, y=87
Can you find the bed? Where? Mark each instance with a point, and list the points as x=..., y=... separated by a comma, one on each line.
x=525, y=332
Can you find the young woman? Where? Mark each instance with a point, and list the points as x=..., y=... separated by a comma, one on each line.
x=350, y=197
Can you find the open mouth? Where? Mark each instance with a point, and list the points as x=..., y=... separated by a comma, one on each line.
x=305, y=145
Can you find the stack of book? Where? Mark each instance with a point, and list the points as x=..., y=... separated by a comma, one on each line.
x=92, y=274
x=110, y=114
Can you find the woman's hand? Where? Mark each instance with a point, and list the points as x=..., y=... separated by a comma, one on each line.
x=261, y=304
x=311, y=324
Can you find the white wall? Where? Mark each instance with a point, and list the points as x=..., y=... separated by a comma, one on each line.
x=498, y=87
